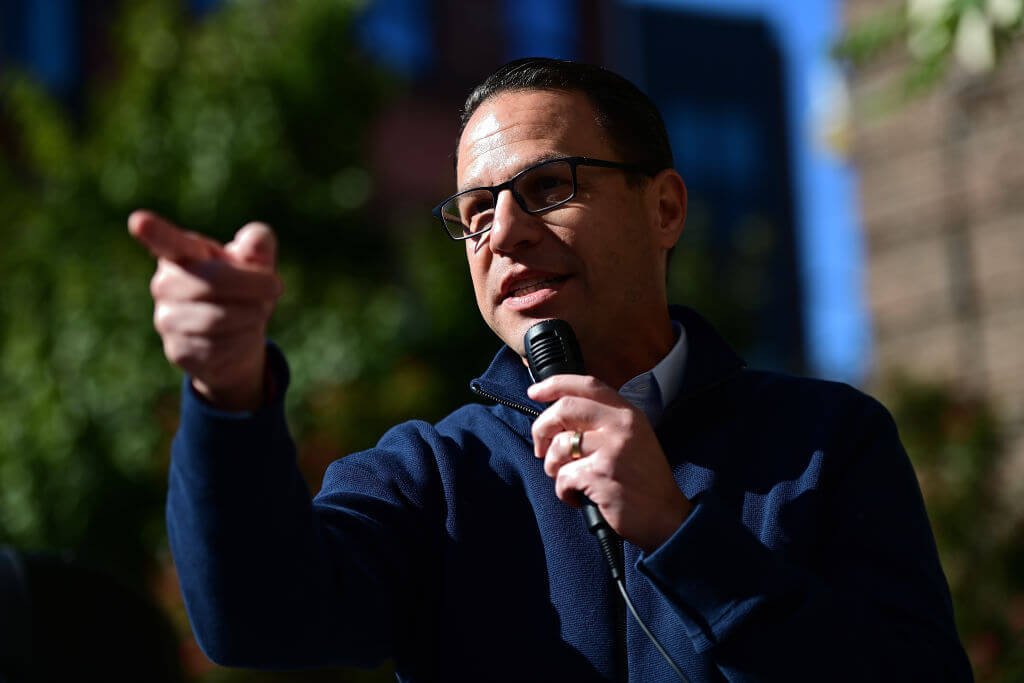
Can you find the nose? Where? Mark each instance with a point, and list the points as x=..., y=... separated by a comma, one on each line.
x=512, y=228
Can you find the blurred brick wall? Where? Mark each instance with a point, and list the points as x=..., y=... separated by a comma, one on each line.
x=942, y=200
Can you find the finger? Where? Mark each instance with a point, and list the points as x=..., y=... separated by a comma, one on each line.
x=163, y=239
x=560, y=451
x=574, y=479
x=217, y=281
x=254, y=245
x=210, y=359
x=568, y=414
x=554, y=388
x=202, y=318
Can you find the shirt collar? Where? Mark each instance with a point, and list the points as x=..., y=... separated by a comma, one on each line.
x=708, y=361
x=669, y=372
x=651, y=391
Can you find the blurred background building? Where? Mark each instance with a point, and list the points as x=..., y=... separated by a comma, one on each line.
x=942, y=215
x=834, y=230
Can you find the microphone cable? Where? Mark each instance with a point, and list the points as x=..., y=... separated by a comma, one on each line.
x=629, y=603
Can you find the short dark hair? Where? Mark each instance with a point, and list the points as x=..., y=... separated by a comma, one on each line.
x=633, y=123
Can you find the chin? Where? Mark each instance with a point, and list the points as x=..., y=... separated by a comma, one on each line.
x=512, y=334
x=511, y=330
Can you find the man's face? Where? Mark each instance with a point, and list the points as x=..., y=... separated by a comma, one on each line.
x=596, y=261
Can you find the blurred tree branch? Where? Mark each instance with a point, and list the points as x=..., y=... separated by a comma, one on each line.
x=936, y=37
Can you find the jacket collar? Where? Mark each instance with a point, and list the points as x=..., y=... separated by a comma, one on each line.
x=710, y=361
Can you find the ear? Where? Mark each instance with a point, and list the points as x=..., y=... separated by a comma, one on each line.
x=667, y=192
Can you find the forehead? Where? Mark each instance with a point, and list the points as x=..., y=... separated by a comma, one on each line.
x=513, y=130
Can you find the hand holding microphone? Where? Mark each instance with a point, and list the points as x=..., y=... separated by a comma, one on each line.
x=212, y=304
x=617, y=464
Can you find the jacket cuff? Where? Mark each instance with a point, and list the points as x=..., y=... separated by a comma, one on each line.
x=277, y=377
x=713, y=571
x=233, y=436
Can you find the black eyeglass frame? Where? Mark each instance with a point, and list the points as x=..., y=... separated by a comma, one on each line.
x=510, y=186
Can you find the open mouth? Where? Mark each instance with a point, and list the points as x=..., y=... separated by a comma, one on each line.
x=527, y=287
x=530, y=292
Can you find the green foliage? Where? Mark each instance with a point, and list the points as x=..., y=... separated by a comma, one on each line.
x=260, y=111
x=935, y=35
x=957, y=452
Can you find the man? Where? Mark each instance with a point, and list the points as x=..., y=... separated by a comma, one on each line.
x=772, y=527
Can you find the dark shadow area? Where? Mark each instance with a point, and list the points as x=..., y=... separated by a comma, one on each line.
x=62, y=620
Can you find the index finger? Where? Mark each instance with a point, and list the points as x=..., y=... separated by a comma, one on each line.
x=569, y=414
x=163, y=239
x=585, y=386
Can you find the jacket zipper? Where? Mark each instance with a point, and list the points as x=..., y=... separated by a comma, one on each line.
x=622, y=656
x=477, y=389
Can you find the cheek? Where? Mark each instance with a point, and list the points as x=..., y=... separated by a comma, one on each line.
x=478, y=275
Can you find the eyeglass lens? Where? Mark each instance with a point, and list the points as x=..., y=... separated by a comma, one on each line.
x=535, y=190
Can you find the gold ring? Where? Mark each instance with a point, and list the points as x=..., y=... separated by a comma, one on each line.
x=576, y=446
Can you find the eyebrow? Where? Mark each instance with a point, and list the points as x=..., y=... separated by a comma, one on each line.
x=547, y=156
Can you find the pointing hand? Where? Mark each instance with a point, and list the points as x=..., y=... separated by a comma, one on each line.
x=212, y=304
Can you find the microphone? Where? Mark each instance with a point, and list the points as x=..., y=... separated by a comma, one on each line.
x=552, y=349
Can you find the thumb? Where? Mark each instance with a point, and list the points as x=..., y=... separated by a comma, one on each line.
x=254, y=245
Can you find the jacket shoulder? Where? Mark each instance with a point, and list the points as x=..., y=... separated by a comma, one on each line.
x=416, y=446
x=794, y=392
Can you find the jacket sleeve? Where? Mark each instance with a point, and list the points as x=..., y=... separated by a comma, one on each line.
x=270, y=578
x=875, y=606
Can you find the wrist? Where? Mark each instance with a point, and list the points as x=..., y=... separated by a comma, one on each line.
x=247, y=392
x=674, y=517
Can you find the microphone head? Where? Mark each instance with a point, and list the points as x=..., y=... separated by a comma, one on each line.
x=552, y=349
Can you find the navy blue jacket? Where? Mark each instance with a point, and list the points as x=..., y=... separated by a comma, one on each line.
x=808, y=556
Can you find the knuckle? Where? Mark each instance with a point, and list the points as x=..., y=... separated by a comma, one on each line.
x=561, y=486
x=187, y=354
x=537, y=431
x=550, y=467
x=174, y=349
x=204, y=289
x=546, y=425
x=161, y=318
x=566, y=476
x=157, y=282
x=601, y=465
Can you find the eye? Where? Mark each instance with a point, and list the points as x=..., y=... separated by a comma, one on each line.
x=546, y=185
x=542, y=185
x=476, y=210
x=473, y=207
x=550, y=182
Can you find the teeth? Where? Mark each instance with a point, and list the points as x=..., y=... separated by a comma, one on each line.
x=531, y=287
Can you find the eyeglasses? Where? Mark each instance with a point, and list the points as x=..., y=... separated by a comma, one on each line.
x=540, y=187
